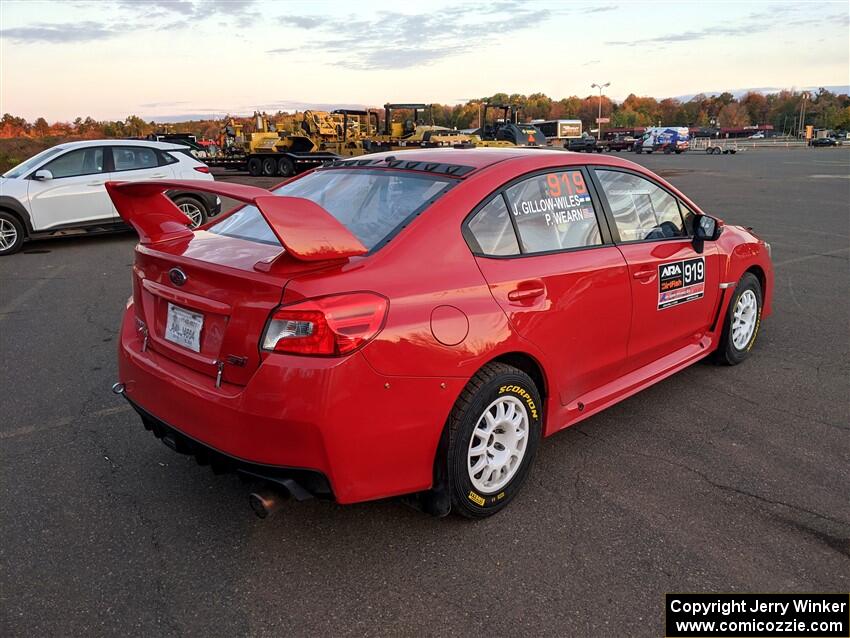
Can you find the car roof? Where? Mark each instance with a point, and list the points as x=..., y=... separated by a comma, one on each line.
x=162, y=146
x=483, y=157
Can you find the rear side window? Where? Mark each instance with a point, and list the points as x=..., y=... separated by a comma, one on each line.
x=492, y=230
x=642, y=210
x=132, y=158
x=372, y=205
x=166, y=158
x=83, y=161
x=554, y=211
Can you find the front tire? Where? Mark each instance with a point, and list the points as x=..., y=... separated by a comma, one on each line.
x=11, y=234
x=742, y=323
x=494, y=433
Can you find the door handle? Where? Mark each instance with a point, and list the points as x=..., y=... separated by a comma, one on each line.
x=523, y=294
x=95, y=184
x=156, y=175
x=644, y=274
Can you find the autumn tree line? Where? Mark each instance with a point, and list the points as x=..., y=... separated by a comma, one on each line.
x=824, y=109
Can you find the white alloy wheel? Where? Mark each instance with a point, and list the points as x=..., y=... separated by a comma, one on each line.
x=498, y=444
x=744, y=319
x=8, y=234
x=193, y=212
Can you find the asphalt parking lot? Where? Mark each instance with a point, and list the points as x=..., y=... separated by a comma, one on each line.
x=717, y=479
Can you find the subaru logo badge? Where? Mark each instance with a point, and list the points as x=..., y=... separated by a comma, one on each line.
x=177, y=276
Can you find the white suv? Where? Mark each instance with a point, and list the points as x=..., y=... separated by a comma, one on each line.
x=62, y=188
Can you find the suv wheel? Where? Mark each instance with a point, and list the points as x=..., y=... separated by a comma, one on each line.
x=193, y=209
x=494, y=432
x=11, y=234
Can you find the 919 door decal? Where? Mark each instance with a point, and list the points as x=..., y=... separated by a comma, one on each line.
x=680, y=282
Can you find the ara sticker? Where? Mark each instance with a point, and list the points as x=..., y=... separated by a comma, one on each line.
x=680, y=282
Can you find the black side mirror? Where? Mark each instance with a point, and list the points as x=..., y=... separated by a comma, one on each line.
x=706, y=229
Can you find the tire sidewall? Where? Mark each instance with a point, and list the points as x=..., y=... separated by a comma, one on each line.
x=733, y=355
x=465, y=495
x=19, y=227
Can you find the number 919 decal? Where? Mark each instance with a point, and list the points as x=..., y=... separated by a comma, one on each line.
x=680, y=282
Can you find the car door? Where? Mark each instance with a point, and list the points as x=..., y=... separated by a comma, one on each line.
x=674, y=288
x=75, y=194
x=137, y=163
x=552, y=268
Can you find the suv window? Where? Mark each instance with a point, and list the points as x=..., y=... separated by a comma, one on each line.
x=492, y=230
x=83, y=161
x=132, y=158
x=642, y=211
x=554, y=211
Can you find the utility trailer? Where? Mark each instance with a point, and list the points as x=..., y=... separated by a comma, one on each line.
x=716, y=146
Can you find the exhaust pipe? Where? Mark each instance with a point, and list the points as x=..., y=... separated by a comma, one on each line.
x=266, y=502
x=118, y=388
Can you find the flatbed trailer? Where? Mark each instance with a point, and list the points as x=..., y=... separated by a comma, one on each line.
x=269, y=164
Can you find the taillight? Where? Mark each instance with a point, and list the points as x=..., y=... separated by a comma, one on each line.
x=326, y=326
x=202, y=169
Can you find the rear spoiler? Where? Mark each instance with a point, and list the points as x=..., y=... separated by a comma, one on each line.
x=306, y=230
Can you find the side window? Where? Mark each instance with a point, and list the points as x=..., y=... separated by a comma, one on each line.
x=133, y=158
x=642, y=210
x=492, y=229
x=554, y=212
x=83, y=161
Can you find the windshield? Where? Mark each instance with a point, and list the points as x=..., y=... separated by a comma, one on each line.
x=32, y=162
x=371, y=204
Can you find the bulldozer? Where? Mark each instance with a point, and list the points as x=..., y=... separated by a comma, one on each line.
x=413, y=132
x=507, y=129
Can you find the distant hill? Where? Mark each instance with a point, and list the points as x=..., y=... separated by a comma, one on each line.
x=838, y=89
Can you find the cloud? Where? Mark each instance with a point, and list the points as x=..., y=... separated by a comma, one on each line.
x=303, y=22
x=58, y=33
x=186, y=13
x=395, y=40
x=153, y=105
x=283, y=50
x=751, y=24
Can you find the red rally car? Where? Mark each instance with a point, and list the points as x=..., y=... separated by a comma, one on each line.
x=413, y=323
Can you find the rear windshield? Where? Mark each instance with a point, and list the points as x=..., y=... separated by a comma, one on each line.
x=371, y=204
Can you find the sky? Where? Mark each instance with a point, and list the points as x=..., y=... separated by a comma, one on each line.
x=173, y=59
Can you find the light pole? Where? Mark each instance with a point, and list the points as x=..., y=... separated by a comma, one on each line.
x=801, y=125
x=598, y=123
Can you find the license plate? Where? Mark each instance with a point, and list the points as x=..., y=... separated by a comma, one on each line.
x=183, y=327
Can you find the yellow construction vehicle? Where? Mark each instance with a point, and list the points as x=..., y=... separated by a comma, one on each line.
x=507, y=130
x=413, y=132
x=282, y=148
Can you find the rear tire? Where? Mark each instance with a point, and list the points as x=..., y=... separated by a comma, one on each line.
x=11, y=234
x=269, y=167
x=285, y=167
x=494, y=432
x=742, y=322
x=194, y=209
x=255, y=167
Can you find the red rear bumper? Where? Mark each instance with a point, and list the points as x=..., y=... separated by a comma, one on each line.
x=371, y=435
